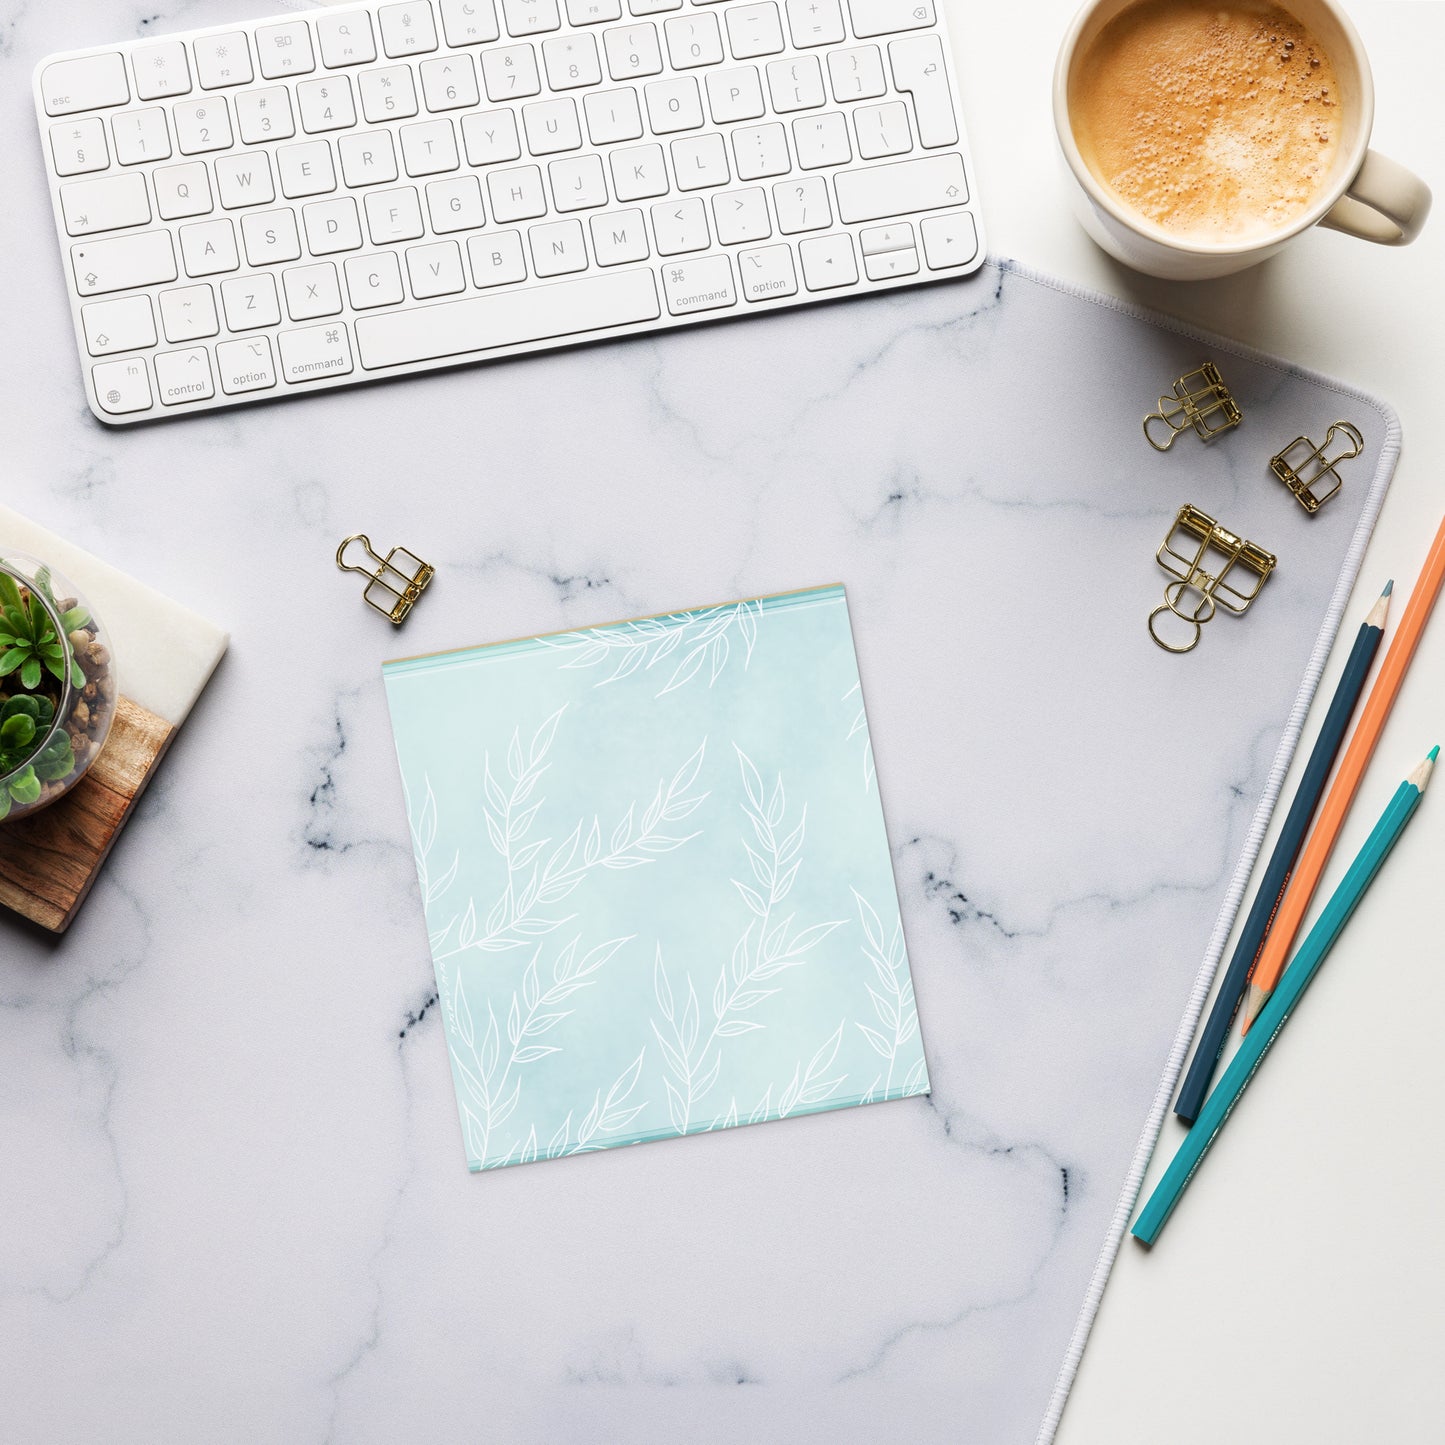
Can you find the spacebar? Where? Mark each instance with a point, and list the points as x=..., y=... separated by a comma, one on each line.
x=509, y=318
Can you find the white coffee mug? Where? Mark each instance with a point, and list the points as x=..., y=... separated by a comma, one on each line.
x=1369, y=195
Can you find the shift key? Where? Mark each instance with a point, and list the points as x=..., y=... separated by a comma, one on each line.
x=123, y=262
x=901, y=189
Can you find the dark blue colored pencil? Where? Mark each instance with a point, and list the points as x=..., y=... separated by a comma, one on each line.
x=1282, y=861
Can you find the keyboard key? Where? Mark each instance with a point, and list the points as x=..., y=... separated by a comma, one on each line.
x=802, y=205
x=270, y=236
x=124, y=324
x=306, y=169
x=557, y=248
x=161, y=70
x=510, y=72
x=702, y=283
x=78, y=146
x=456, y=205
x=888, y=264
x=497, y=258
x=571, y=61
x=265, y=114
x=140, y=136
x=122, y=263
x=326, y=104
x=345, y=39
x=949, y=240
x=918, y=68
x=408, y=29
x=578, y=183
x=652, y=7
x=761, y=150
x=244, y=180
x=250, y=301
x=551, y=126
x=315, y=351
x=927, y=184
x=367, y=159
x=183, y=191
x=638, y=172
x=311, y=291
x=856, y=74
x=741, y=216
x=612, y=115
x=767, y=273
x=223, y=60
x=516, y=195
x=882, y=130
x=108, y=203
x=632, y=51
x=469, y=22
x=202, y=125
x=815, y=22
x=122, y=386
x=393, y=216
x=734, y=95
x=680, y=226
x=693, y=40
x=429, y=147
x=373, y=280
x=508, y=318
x=699, y=162
x=593, y=12
x=209, y=247
x=796, y=84
x=874, y=240
x=436, y=270
x=754, y=30
x=188, y=313
x=822, y=140
x=246, y=365
x=89, y=82
x=285, y=50
x=332, y=226
x=183, y=376
x=387, y=94
x=878, y=17
x=618, y=237
x=530, y=17
x=449, y=83
x=490, y=136
x=673, y=105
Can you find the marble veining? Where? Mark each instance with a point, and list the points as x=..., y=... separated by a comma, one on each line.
x=235, y=1203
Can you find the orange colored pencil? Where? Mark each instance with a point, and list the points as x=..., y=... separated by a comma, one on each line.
x=1332, y=815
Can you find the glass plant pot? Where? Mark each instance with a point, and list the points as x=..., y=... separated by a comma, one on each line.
x=58, y=688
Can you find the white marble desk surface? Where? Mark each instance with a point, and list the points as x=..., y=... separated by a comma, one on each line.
x=1343, y=1307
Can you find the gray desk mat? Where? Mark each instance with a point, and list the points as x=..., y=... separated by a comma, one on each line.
x=1072, y=814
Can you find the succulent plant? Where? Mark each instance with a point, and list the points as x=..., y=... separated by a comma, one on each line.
x=24, y=721
x=29, y=644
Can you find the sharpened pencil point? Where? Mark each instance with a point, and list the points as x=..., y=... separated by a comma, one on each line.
x=1389, y=588
x=1433, y=753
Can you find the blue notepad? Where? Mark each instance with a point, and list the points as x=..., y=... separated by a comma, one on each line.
x=656, y=878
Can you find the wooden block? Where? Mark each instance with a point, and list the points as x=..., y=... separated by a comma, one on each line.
x=49, y=860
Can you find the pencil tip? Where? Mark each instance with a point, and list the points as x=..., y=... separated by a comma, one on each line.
x=1433, y=753
x=1389, y=588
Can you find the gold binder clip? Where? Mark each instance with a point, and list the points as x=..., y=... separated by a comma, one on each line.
x=1201, y=400
x=1200, y=541
x=1303, y=473
x=397, y=581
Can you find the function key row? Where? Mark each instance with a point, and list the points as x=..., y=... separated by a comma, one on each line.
x=164, y=70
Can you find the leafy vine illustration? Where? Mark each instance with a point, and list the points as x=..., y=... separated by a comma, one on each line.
x=860, y=725
x=691, y=640
x=767, y=946
x=893, y=1002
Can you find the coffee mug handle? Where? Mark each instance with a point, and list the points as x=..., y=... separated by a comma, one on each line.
x=1384, y=203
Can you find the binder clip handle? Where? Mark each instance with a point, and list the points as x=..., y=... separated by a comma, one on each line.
x=394, y=582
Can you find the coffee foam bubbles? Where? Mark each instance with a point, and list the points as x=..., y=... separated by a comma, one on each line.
x=1218, y=123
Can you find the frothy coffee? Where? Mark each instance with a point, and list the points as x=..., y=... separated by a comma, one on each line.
x=1218, y=122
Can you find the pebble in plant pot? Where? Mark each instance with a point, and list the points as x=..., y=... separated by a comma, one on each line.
x=57, y=686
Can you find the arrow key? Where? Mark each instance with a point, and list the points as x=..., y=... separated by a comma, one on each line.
x=949, y=240
x=828, y=262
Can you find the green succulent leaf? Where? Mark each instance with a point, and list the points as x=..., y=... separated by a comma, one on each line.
x=52, y=770
x=30, y=673
x=77, y=675
x=9, y=591
x=76, y=617
x=25, y=788
x=12, y=659
x=4, y=803
x=17, y=732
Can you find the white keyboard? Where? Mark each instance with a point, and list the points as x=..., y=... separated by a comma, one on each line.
x=295, y=204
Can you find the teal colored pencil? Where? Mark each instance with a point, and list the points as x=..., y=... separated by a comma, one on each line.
x=1313, y=952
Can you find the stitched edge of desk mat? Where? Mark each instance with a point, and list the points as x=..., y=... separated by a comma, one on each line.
x=1264, y=810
